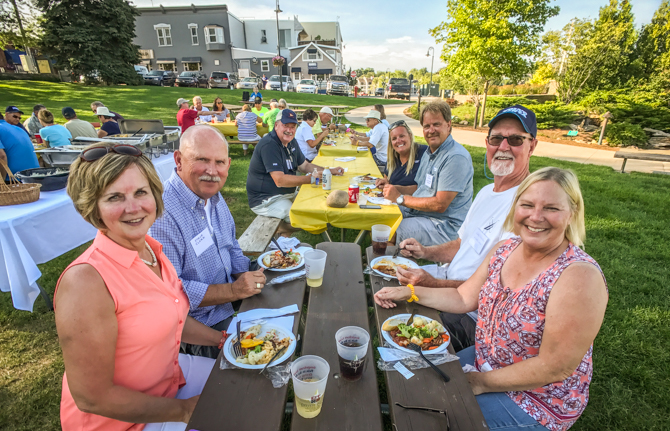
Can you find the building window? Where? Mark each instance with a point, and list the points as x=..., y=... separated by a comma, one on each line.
x=164, y=35
x=265, y=65
x=332, y=53
x=192, y=67
x=264, y=37
x=214, y=35
x=166, y=66
x=193, y=30
x=284, y=38
x=296, y=76
x=312, y=56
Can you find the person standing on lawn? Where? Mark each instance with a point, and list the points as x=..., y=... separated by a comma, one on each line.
x=509, y=146
x=434, y=210
x=120, y=309
x=197, y=231
x=186, y=117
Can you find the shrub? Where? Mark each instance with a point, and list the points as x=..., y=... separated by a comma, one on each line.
x=452, y=102
x=505, y=102
x=553, y=115
x=414, y=111
x=46, y=77
x=634, y=107
x=494, y=90
x=523, y=89
x=506, y=90
x=624, y=134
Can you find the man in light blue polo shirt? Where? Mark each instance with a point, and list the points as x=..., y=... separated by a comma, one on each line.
x=15, y=148
x=434, y=209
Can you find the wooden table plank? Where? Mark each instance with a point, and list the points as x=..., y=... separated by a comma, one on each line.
x=243, y=399
x=340, y=301
x=426, y=388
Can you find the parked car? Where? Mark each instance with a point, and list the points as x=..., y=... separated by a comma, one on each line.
x=397, y=87
x=141, y=70
x=337, y=84
x=221, y=80
x=379, y=92
x=191, y=79
x=307, y=86
x=249, y=83
x=273, y=83
x=164, y=78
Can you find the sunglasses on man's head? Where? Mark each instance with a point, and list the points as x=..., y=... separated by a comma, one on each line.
x=512, y=140
x=96, y=153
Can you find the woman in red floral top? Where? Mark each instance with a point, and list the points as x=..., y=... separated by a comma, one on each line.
x=541, y=302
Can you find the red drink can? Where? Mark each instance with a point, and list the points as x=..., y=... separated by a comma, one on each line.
x=38, y=138
x=353, y=194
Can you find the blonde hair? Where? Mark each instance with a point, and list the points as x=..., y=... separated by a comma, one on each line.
x=89, y=180
x=393, y=154
x=246, y=107
x=46, y=116
x=567, y=180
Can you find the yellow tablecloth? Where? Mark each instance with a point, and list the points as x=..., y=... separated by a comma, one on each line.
x=230, y=129
x=342, y=148
x=310, y=212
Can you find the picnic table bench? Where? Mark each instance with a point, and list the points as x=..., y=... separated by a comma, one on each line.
x=655, y=157
x=258, y=235
x=426, y=389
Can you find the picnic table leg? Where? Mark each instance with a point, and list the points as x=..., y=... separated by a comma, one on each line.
x=325, y=236
x=342, y=232
x=623, y=165
x=360, y=237
x=46, y=297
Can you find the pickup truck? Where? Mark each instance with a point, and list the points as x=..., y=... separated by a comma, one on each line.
x=337, y=84
x=397, y=87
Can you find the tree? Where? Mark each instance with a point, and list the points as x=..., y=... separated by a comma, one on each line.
x=18, y=24
x=602, y=53
x=652, y=50
x=492, y=39
x=92, y=38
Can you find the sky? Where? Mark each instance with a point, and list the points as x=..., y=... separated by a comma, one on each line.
x=389, y=34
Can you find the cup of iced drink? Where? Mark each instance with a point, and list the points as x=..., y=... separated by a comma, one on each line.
x=380, y=237
x=315, y=264
x=310, y=375
x=352, y=347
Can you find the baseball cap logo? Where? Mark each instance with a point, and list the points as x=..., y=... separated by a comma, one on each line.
x=518, y=111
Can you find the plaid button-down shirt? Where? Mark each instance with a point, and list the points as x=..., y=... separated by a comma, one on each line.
x=184, y=219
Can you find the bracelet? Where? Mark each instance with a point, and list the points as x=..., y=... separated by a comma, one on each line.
x=224, y=336
x=413, y=297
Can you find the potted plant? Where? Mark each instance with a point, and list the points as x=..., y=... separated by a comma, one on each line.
x=278, y=61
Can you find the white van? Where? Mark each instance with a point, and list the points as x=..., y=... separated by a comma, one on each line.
x=142, y=70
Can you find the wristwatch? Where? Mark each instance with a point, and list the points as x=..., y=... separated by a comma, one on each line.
x=400, y=200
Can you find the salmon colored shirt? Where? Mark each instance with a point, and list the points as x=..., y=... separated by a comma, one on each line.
x=150, y=314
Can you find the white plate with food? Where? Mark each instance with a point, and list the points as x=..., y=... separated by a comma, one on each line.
x=274, y=260
x=427, y=333
x=385, y=266
x=365, y=179
x=262, y=343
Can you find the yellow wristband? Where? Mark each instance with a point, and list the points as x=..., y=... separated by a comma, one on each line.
x=413, y=297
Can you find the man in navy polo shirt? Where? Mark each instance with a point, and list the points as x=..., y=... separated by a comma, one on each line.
x=272, y=180
x=15, y=148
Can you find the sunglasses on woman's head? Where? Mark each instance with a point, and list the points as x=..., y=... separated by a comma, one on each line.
x=397, y=124
x=512, y=140
x=96, y=153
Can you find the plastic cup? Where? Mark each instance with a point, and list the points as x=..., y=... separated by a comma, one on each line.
x=310, y=375
x=362, y=198
x=315, y=264
x=380, y=237
x=352, y=346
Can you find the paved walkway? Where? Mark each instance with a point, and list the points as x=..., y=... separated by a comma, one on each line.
x=544, y=149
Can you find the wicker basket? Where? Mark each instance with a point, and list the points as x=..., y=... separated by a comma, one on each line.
x=15, y=192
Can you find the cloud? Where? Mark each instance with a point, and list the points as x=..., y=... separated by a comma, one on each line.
x=404, y=39
x=384, y=55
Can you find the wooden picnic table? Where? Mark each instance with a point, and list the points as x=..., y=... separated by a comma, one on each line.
x=342, y=148
x=340, y=301
x=238, y=399
x=426, y=389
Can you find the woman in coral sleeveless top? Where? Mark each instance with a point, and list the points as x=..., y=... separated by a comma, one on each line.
x=121, y=312
x=541, y=302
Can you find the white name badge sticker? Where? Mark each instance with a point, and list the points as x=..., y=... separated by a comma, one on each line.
x=478, y=241
x=429, y=180
x=202, y=242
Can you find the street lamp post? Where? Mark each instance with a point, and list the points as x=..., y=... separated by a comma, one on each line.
x=431, y=65
x=281, y=82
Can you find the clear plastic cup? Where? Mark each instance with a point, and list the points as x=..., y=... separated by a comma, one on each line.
x=352, y=346
x=315, y=264
x=362, y=198
x=310, y=375
x=380, y=237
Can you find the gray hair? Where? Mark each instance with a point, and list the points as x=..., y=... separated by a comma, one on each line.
x=273, y=104
x=282, y=104
x=197, y=98
x=97, y=104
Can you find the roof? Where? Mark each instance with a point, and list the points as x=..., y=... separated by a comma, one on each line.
x=192, y=8
x=248, y=53
x=299, y=54
x=327, y=30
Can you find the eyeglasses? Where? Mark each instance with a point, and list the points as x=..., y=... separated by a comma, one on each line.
x=397, y=124
x=512, y=140
x=96, y=153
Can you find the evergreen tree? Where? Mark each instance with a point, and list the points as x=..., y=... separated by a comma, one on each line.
x=92, y=38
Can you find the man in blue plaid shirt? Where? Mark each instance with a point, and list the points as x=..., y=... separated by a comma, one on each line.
x=198, y=233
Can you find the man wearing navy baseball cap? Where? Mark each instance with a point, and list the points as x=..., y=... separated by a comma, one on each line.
x=13, y=117
x=272, y=180
x=76, y=126
x=509, y=145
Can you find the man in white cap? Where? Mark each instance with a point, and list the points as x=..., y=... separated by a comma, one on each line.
x=108, y=125
x=325, y=115
x=186, y=117
x=378, y=140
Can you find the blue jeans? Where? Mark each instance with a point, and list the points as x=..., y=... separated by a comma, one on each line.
x=500, y=412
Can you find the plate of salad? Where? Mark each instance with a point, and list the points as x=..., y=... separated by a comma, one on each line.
x=259, y=344
x=274, y=260
x=427, y=333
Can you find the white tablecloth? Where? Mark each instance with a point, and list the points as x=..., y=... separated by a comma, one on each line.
x=37, y=232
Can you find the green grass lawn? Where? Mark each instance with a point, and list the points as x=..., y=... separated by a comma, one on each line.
x=627, y=233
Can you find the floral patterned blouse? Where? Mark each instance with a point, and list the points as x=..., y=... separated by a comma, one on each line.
x=509, y=330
